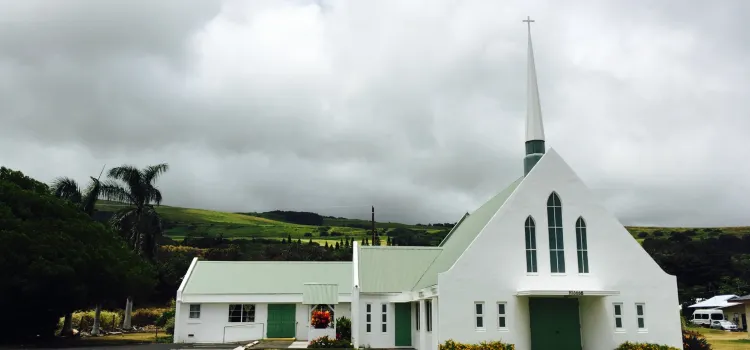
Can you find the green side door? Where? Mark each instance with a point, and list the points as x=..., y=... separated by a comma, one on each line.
x=403, y=324
x=554, y=324
x=281, y=321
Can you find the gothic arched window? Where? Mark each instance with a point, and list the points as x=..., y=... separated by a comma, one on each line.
x=530, y=228
x=556, y=247
x=582, y=246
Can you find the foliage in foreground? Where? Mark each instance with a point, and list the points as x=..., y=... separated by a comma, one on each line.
x=692, y=340
x=56, y=259
x=644, y=346
x=343, y=328
x=450, y=344
x=325, y=342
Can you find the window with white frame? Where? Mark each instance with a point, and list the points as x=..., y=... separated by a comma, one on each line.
x=368, y=318
x=618, y=316
x=640, y=313
x=554, y=221
x=530, y=226
x=195, y=310
x=384, y=318
x=428, y=308
x=416, y=305
x=582, y=246
x=479, y=315
x=241, y=313
x=501, y=316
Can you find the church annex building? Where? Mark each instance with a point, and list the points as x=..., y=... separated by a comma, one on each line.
x=541, y=265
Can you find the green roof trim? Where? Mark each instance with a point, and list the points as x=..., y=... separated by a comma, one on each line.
x=393, y=269
x=266, y=277
x=462, y=236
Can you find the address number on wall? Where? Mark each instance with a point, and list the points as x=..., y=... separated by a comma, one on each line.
x=575, y=292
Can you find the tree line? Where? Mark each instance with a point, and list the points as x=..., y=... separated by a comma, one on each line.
x=57, y=259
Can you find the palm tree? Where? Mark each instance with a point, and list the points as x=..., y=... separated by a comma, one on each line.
x=68, y=189
x=139, y=223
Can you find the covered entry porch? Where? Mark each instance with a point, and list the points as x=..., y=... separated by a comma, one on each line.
x=556, y=317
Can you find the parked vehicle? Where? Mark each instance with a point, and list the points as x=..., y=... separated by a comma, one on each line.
x=724, y=325
x=704, y=317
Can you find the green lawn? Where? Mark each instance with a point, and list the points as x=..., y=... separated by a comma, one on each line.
x=722, y=340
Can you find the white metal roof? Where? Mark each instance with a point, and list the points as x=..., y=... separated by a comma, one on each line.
x=719, y=301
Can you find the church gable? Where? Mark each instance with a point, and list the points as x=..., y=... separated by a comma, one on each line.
x=553, y=225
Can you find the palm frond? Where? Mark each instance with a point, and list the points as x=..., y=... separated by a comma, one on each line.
x=113, y=191
x=90, y=196
x=133, y=180
x=67, y=188
x=125, y=173
x=151, y=173
x=154, y=195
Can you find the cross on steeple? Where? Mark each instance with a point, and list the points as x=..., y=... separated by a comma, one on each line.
x=528, y=21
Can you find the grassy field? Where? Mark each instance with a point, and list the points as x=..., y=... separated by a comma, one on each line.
x=180, y=222
x=722, y=340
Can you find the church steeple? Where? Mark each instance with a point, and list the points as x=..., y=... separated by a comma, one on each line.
x=534, y=126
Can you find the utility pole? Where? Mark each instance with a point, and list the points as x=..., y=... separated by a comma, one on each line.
x=373, y=224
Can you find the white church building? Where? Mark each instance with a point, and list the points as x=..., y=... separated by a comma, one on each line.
x=541, y=265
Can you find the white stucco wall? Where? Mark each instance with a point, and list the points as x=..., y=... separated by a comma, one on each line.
x=376, y=338
x=494, y=268
x=214, y=326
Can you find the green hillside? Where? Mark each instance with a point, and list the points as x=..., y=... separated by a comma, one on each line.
x=180, y=222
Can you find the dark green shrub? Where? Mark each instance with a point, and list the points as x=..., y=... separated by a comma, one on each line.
x=145, y=317
x=169, y=326
x=343, y=329
x=161, y=321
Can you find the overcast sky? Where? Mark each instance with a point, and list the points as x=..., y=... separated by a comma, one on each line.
x=414, y=106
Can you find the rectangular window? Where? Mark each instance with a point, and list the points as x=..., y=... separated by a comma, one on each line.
x=384, y=320
x=417, y=314
x=479, y=315
x=640, y=314
x=618, y=316
x=428, y=307
x=501, y=324
x=195, y=310
x=241, y=313
x=368, y=316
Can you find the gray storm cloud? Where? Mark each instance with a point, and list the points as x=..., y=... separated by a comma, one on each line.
x=415, y=107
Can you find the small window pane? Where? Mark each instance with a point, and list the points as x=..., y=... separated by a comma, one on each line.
x=618, y=322
x=641, y=323
x=479, y=308
x=480, y=322
x=501, y=322
x=618, y=311
x=639, y=309
x=501, y=309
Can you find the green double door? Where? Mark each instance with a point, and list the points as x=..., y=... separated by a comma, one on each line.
x=281, y=321
x=403, y=324
x=555, y=324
